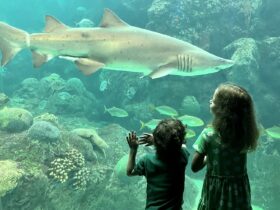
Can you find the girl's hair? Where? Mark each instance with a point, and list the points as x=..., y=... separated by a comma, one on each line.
x=169, y=136
x=234, y=117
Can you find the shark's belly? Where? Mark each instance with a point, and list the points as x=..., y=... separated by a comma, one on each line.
x=133, y=59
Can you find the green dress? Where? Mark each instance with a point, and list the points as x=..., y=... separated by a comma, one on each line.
x=226, y=185
x=165, y=181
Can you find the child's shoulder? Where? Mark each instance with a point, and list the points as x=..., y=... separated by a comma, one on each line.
x=208, y=132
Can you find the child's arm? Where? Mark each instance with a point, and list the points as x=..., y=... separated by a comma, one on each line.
x=198, y=162
x=132, y=141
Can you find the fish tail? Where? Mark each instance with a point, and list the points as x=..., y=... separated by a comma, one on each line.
x=12, y=40
x=142, y=124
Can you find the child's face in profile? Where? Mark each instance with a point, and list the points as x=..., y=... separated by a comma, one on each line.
x=212, y=102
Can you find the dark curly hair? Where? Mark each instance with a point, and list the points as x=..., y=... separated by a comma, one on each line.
x=234, y=117
x=169, y=136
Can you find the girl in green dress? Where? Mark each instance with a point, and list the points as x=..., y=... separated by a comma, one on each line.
x=223, y=148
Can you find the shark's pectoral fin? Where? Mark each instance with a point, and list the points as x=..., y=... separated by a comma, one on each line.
x=110, y=19
x=88, y=66
x=39, y=59
x=161, y=72
x=54, y=25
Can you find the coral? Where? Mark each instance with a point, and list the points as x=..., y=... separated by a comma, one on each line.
x=75, y=86
x=52, y=83
x=190, y=105
x=15, y=119
x=130, y=92
x=85, y=147
x=29, y=88
x=81, y=178
x=93, y=137
x=9, y=176
x=4, y=99
x=62, y=103
x=70, y=167
x=44, y=131
x=48, y=118
x=246, y=57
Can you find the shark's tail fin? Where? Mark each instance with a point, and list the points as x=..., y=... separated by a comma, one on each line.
x=12, y=40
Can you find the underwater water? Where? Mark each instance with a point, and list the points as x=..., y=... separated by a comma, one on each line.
x=62, y=133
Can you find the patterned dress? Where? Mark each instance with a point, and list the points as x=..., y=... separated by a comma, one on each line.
x=226, y=185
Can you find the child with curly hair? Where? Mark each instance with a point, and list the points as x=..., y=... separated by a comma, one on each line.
x=165, y=169
x=223, y=148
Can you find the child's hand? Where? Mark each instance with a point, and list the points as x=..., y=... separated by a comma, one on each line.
x=147, y=139
x=132, y=140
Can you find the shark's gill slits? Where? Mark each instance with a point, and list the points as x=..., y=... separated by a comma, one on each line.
x=184, y=63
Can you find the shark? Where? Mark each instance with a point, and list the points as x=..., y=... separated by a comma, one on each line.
x=113, y=45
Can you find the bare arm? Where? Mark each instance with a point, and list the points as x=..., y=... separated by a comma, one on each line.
x=132, y=141
x=131, y=162
x=198, y=162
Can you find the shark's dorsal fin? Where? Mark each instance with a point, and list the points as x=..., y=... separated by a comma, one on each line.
x=110, y=19
x=53, y=25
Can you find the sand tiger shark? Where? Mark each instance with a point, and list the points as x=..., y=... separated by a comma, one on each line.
x=113, y=45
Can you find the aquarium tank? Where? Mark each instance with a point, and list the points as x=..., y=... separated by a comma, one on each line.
x=77, y=76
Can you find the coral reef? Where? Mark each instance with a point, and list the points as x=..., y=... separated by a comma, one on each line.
x=70, y=167
x=48, y=117
x=44, y=132
x=246, y=57
x=85, y=147
x=93, y=137
x=9, y=176
x=53, y=94
x=15, y=119
x=4, y=99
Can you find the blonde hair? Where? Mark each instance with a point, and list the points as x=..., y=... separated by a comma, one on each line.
x=234, y=117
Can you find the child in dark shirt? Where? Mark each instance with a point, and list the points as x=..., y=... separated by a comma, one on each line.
x=165, y=169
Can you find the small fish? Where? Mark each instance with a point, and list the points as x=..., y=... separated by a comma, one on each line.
x=104, y=85
x=191, y=121
x=152, y=124
x=273, y=132
x=166, y=110
x=116, y=112
x=190, y=134
x=85, y=23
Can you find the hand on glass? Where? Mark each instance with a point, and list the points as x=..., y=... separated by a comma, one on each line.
x=132, y=140
x=147, y=139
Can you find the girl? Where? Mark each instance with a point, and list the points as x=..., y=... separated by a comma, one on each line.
x=165, y=169
x=223, y=148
